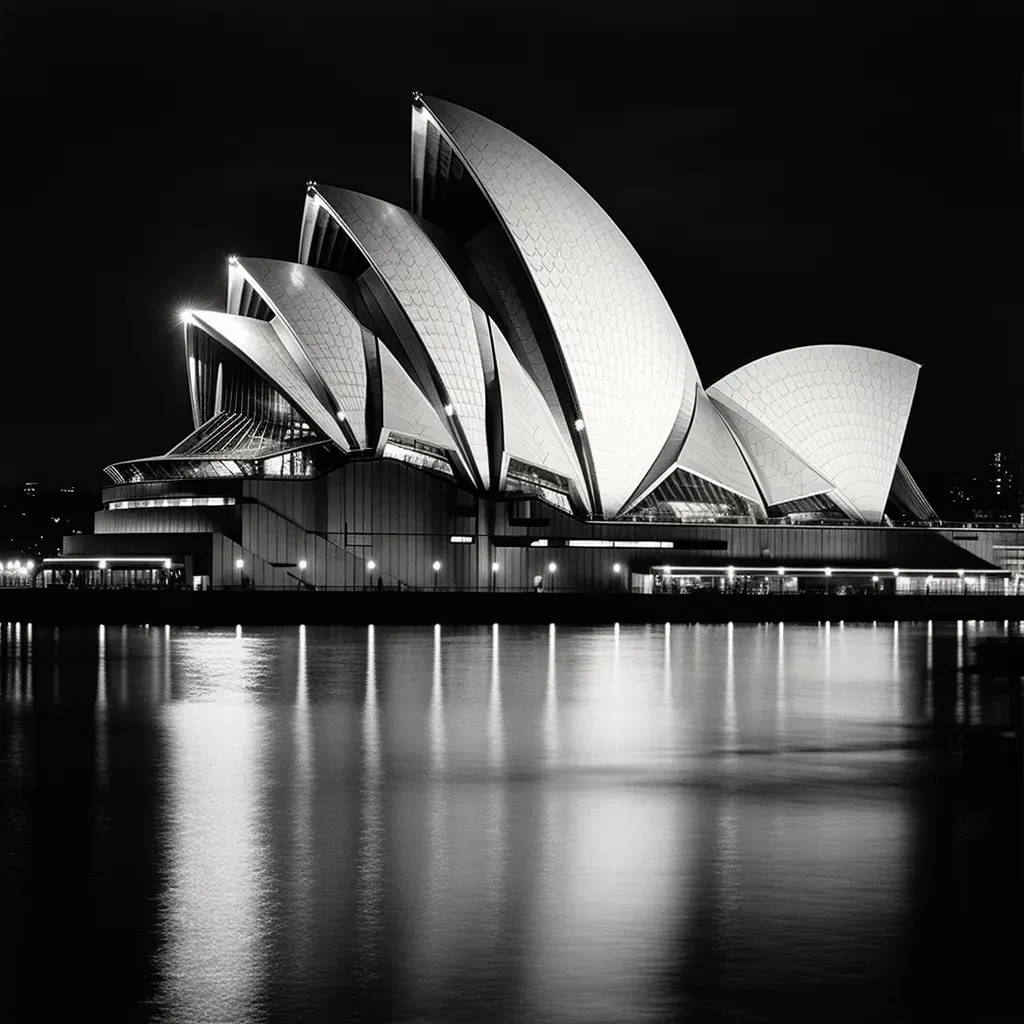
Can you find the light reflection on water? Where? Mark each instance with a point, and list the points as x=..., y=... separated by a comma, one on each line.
x=556, y=823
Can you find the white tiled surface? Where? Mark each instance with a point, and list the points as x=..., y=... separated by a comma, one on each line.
x=710, y=451
x=530, y=431
x=842, y=409
x=433, y=299
x=405, y=409
x=623, y=348
x=259, y=342
x=783, y=476
x=329, y=334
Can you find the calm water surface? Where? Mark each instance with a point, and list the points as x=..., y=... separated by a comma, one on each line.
x=605, y=824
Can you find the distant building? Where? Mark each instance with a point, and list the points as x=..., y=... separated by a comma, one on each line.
x=34, y=519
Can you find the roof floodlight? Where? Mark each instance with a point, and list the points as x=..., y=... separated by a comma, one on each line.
x=186, y=317
x=449, y=409
x=579, y=425
x=233, y=259
x=341, y=416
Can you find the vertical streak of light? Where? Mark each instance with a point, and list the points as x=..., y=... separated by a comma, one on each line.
x=371, y=885
x=551, y=702
x=437, y=844
x=101, y=671
x=972, y=708
x=780, y=686
x=929, y=670
x=896, y=669
x=495, y=725
x=827, y=688
x=497, y=830
x=302, y=824
x=437, y=733
x=731, y=729
x=961, y=708
x=15, y=661
x=28, y=663
x=667, y=668
x=167, y=663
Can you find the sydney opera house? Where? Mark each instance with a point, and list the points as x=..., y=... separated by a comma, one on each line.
x=489, y=390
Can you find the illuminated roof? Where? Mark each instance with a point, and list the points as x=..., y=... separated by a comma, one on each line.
x=507, y=321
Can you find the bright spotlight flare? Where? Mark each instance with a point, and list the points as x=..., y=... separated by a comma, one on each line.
x=186, y=317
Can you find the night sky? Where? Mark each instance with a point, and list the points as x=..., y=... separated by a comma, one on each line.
x=791, y=173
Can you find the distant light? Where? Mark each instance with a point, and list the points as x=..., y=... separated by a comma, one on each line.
x=874, y=579
x=730, y=570
x=103, y=563
x=495, y=567
x=828, y=571
x=449, y=409
x=460, y=538
x=437, y=566
x=928, y=579
x=371, y=565
x=23, y=571
x=616, y=567
x=552, y=567
x=186, y=317
x=895, y=572
x=30, y=564
x=239, y=563
x=960, y=573
x=167, y=563
x=232, y=259
x=17, y=563
x=341, y=416
x=579, y=424
x=302, y=564
x=781, y=570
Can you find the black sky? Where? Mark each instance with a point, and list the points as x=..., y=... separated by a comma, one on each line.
x=792, y=173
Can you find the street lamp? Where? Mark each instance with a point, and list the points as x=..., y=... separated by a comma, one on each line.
x=494, y=575
x=730, y=575
x=828, y=580
x=302, y=571
x=963, y=585
x=239, y=565
x=370, y=566
x=437, y=568
x=928, y=584
x=103, y=571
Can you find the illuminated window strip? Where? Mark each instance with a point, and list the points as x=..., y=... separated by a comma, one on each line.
x=168, y=503
x=460, y=539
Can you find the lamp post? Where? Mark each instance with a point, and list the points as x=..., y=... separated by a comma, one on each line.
x=927, y=585
x=730, y=577
x=103, y=572
x=494, y=575
x=874, y=584
x=828, y=580
x=302, y=572
x=617, y=569
x=437, y=568
x=370, y=566
x=552, y=569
